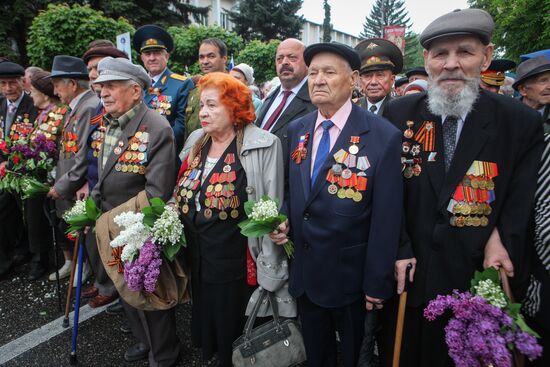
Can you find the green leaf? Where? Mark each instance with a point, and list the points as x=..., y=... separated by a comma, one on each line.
x=248, y=206
x=157, y=202
x=244, y=223
x=92, y=211
x=524, y=327
x=256, y=230
x=171, y=251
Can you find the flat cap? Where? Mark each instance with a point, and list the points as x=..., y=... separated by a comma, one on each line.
x=103, y=51
x=494, y=75
x=379, y=54
x=69, y=67
x=111, y=69
x=344, y=51
x=474, y=22
x=420, y=70
x=528, y=69
x=152, y=37
x=10, y=69
x=42, y=82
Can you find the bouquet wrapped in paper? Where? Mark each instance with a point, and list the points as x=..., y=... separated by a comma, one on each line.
x=263, y=218
x=28, y=168
x=146, y=238
x=485, y=327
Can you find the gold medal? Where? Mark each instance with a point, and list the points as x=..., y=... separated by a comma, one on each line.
x=349, y=193
x=332, y=189
x=124, y=168
x=208, y=213
x=189, y=194
x=475, y=221
x=138, y=134
x=234, y=214
x=466, y=209
x=223, y=215
x=208, y=202
x=487, y=210
x=135, y=146
x=357, y=196
x=459, y=221
x=141, y=170
x=484, y=221
x=185, y=209
x=341, y=193
x=218, y=187
x=490, y=184
x=209, y=188
x=135, y=169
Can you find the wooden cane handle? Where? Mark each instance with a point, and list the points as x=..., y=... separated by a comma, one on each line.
x=506, y=284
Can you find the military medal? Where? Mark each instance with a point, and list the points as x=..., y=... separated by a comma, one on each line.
x=363, y=164
x=208, y=213
x=346, y=174
x=354, y=149
x=299, y=154
x=409, y=133
x=426, y=136
x=118, y=149
x=223, y=215
x=229, y=160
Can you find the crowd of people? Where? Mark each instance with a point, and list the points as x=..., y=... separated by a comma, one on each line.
x=372, y=169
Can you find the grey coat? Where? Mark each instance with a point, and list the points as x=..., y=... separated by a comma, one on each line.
x=115, y=187
x=262, y=160
x=70, y=170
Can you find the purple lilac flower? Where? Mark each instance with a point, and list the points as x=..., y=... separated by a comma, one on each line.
x=143, y=273
x=527, y=345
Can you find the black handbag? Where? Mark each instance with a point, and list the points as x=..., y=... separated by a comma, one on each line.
x=273, y=344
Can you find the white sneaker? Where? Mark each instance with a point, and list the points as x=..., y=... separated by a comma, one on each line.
x=86, y=271
x=64, y=271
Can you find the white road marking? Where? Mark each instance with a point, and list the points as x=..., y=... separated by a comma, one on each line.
x=44, y=333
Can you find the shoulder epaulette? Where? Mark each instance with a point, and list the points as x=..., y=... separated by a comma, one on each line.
x=178, y=76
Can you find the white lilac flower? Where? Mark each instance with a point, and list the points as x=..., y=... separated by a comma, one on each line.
x=491, y=292
x=127, y=219
x=264, y=209
x=167, y=229
x=79, y=208
x=132, y=236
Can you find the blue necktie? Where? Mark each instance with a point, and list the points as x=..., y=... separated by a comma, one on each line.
x=322, y=150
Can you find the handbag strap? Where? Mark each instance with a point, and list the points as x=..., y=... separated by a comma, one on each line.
x=252, y=318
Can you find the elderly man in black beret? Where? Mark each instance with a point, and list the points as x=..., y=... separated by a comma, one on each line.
x=16, y=112
x=458, y=138
x=344, y=206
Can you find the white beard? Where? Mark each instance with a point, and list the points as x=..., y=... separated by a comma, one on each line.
x=449, y=103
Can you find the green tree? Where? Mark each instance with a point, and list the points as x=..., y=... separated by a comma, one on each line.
x=261, y=56
x=64, y=29
x=187, y=41
x=327, y=25
x=414, y=53
x=267, y=19
x=521, y=26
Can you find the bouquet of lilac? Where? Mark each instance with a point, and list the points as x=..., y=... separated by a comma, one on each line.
x=485, y=327
x=145, y=238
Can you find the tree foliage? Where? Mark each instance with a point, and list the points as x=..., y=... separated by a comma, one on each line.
x=261, y=56
x=67, y=30
x=521, y=26
x=267, y=19
x=187, y=41
x=414, y=53
x=327, y=25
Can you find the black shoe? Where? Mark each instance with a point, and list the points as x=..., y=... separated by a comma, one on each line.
x=37, y=271
x=114, y=309
x=125, y=327
x=19, y=259
x=136, y=352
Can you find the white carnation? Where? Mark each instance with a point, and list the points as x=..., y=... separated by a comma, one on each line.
x=79, y=208
x=264, y=209
x=167, y=229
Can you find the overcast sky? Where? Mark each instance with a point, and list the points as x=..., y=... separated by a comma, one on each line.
x=349, y=15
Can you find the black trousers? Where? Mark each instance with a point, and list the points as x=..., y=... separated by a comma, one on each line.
x=38, y=229
x=12, y=230
x=157, y=330
x=319, y=326
x=102, y=282
x=423, y=342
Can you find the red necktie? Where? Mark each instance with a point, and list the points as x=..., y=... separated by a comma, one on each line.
x=275, y=115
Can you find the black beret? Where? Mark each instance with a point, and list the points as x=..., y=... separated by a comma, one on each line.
x=152, y=37
x=346, y=52
x=10, y=69
x=399, y=82
x=379, y=54
x=103, y=51
x=474, y=22
x=43, y=83
x=416, y=71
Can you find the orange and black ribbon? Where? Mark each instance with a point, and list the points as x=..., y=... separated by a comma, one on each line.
x=426, y=136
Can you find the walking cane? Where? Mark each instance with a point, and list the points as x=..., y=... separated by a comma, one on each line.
x=73, y=359
x=400, y=320
x=49, y=211
x=71, y=281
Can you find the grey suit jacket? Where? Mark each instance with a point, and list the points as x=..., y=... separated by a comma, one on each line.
x=67, y=179
x=115, y=186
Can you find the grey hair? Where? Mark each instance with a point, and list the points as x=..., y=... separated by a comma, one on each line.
x=33, y=69
x=82, y=84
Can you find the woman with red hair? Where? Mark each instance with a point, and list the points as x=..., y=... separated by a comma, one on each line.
x=225, y=163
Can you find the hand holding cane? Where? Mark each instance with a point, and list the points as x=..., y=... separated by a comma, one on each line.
x=400, y=320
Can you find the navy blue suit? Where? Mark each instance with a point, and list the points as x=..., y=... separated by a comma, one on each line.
x=344, y=249
x=175, y=88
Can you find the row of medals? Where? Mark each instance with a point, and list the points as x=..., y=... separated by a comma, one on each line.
x=20, y=130
x=133, y=159
x=410, y=159
x=471, y=214
x=70, y=146
x=162, y=105
x=50, y=127
x=337, y=170
x=97, y=140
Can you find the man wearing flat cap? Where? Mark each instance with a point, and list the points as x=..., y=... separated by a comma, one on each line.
x=169, y=91
x=381, y=60
x=533, y=83
x=493, y=78
x=344, y=207
x=17, y=113
x=70, y=79
x=458, y=139
x=134, y=130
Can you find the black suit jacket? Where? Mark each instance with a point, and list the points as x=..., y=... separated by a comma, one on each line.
x=298, y=107
x=499, y=130
x=26, y=106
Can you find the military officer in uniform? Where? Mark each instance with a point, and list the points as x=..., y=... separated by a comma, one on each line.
x=381, y=60
x=132, y=124
x=17, y=112
x=169, y=91
x=212, y=58
x=70, y=80
x=344, y=206
x=493, y=78
x=458, y=139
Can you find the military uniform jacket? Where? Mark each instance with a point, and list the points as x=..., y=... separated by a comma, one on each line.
x=71, y=166
x=192, y=112
x=26, y=113
x=345, y=248
x=155, y=173
x=169, y=98
x=498, y=130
